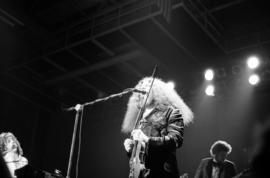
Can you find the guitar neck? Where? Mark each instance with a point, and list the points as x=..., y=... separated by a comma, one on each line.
x=241, y=173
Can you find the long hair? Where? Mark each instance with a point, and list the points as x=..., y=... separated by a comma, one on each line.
x=160, y=94
x=3, y=142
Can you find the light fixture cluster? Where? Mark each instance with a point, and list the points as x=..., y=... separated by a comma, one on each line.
x=253, y=63
x=209, y=76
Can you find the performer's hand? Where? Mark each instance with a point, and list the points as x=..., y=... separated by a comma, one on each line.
x=128, y=143
x=137, y=134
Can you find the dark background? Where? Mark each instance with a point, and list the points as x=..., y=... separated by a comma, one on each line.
x=58, y=53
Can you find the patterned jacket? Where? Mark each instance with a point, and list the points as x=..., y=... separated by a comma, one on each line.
x=165, y=127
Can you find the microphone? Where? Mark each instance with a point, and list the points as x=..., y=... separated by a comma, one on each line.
x=136, y=90
x=139, y=91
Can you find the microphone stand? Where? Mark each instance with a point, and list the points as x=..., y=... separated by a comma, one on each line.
x=79, y=113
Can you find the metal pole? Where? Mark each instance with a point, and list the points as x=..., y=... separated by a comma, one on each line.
x=79, y=110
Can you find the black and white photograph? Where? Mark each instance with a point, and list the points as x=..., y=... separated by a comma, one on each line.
x=134, y=89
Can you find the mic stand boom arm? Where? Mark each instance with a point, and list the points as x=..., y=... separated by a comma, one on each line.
x=126, y=91
x=79, y=112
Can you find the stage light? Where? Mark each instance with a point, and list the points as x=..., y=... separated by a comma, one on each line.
x=171, y=84
x=209, y=74
x=253, y=62
x=210, y=90
x=254, y=79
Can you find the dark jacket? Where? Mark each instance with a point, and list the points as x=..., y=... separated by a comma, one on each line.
x=227, y=169
x=165, y=127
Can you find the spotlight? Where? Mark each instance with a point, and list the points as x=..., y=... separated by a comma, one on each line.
x=210, y=90
x=254, y=79
x=209, y=74
x=253, y=62
x=171, y=84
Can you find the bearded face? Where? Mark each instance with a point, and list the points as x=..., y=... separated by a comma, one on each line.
x=144, y=85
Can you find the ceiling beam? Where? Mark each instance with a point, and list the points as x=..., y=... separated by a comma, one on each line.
x=76, y=79
x=112, y=80
x=42, y=93
x=128, y=36
x=86, y=62
x=117, y=23
x=87, y=84
x=77, y=56
x=120, y=7
x=103, y=47
x=62, y=69
x=136, y=17
x=133, y=40
x=10, y=19
x=204, y=24
x=154, y=58
x=175, y=41
x=97, y=66
x=16, y=94
x=36, y=75
x=206, y=12
x=225, y=5
x=254, y=45
x=132, y=69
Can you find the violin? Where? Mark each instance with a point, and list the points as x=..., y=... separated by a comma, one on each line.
x=137, y=159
